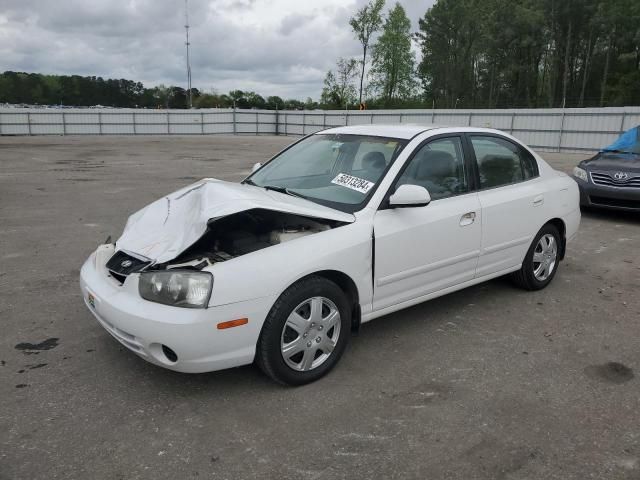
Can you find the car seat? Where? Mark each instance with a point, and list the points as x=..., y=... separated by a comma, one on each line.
x=498, y=170
x=373, y=164
x=436, y=171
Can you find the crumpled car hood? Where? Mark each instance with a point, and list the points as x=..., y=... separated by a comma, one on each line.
x=167, y=227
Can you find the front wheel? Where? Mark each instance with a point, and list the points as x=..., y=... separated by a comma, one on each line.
x=541, y=262
x=305, y=333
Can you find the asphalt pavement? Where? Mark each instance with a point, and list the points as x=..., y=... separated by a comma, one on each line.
x=490, y=382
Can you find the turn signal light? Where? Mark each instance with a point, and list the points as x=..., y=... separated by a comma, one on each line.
x=233, y=323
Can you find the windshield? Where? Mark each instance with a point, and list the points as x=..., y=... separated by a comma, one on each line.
x=340, y=171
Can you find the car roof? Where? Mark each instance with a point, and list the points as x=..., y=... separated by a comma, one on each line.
x=404, y=131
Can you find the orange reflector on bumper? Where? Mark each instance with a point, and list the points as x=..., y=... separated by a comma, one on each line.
x=233, y=323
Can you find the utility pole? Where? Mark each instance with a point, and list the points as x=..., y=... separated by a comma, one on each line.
x=186, y=28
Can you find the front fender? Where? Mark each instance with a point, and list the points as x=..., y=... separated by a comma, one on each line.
x=272, y=270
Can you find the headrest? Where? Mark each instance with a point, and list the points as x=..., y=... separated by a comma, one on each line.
x=496, y=163
x=373, y=161
x=436, y=163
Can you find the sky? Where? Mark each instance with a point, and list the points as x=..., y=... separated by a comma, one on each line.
x=273, y=47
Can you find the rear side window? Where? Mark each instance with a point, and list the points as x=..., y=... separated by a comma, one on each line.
x=501, y=162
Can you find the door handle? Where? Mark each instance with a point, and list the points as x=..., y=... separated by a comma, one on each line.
x=467, y=219
x=539, y=200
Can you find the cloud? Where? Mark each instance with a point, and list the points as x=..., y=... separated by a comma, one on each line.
x=275, y=47
x=293, y=22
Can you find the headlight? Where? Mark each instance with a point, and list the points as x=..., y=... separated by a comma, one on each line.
x=580, y=173
x=178, y=288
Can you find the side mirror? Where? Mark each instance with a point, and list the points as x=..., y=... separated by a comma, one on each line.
x=256, y=166
x=410, y=196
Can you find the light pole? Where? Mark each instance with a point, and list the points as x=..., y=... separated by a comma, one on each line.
x=186, y=28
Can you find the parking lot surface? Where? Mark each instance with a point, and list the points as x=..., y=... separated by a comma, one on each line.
x=490, y=382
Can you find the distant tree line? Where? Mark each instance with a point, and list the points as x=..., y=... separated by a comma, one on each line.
x=242, y=99
x=74, y=90
x=473, y=54
x=494, y=53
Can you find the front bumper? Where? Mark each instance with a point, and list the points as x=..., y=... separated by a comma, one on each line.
x=144, y=327
x=615, y=198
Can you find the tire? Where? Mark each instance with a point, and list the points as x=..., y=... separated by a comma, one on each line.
x=302, y=339
x=531, y=276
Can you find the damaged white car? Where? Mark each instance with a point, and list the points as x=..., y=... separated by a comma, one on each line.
x=344, y=226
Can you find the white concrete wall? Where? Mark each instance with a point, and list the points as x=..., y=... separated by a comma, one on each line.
x=572, y=129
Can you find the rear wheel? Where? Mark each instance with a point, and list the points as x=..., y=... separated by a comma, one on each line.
x=305, y=333
x=542, y=259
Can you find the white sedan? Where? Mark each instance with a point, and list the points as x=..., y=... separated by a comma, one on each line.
x=341, y=227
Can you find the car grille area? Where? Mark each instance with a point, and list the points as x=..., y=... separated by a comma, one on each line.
x=121, y=265
x=609, y=180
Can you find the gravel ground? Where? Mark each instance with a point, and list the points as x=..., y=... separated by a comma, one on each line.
x=489, y=382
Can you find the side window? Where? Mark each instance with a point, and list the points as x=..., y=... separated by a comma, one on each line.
x=439, y=167
x=501, y=162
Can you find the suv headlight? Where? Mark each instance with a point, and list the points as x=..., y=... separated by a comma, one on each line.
x=177, y=288
x=580, y=173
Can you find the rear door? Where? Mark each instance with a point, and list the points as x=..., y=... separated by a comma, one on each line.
x=511, y=195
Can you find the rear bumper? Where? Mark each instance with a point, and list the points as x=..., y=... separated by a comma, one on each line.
x=614, y=198
x=572, y=224
x=144, y=327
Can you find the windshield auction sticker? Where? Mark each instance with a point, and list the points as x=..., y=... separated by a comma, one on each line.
x=354, y=183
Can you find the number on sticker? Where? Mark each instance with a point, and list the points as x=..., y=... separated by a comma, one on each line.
x=354, y=183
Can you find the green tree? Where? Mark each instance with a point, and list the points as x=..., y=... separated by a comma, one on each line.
x=310, y=104
x=447, y=36
x=364, y=24
x=213, y=100
x=161, y=96
x=392, y=70
x=339, y=89
x=238, y=98
x=246, y=99
x=530, y=53
x=177, y=97
x=34, y=88
x=293, y=104
x=275, y=102
x=254, y=100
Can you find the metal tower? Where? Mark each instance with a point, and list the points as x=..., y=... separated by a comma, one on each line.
x=186, y=28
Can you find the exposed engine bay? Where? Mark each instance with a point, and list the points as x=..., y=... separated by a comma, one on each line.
x=245, y=232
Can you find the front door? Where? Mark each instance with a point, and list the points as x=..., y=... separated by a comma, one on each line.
x=421, y=250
